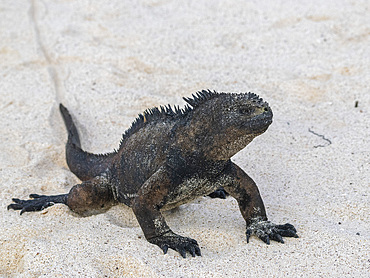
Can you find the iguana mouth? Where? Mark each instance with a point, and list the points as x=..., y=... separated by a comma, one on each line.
x=260, y=122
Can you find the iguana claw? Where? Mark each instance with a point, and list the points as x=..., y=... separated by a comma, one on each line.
x=177, y=243
x=37, y=203
x=265, y=230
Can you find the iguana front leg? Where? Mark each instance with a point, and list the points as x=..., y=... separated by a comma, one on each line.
x=151, y=198
x=244, y=190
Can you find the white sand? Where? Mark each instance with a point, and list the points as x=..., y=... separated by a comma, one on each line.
x=109, y=60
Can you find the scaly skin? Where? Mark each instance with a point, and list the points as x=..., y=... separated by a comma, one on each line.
x=168, y=157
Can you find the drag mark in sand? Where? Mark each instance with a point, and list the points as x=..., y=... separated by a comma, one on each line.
x=51, y=67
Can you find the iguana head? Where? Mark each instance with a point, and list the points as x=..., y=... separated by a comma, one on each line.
x=225, y=123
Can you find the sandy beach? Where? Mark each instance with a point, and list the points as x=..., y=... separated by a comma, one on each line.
x=108, y=61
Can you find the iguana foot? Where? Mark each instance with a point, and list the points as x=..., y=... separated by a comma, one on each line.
x=219, y=193
x=37, y=203
x=178, y=243
x=266, y=230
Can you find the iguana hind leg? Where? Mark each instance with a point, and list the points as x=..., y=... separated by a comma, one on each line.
x=219, y=193
x=37, y=202
x=89, y=197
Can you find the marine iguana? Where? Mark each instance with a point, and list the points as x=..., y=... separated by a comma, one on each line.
x=168, y=157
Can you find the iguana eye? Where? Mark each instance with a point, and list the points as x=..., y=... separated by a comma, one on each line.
x=245, y=110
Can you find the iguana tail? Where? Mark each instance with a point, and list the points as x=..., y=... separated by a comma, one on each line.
x=83, y=164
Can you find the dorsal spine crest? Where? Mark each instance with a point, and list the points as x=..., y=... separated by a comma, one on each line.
x=168, y=112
